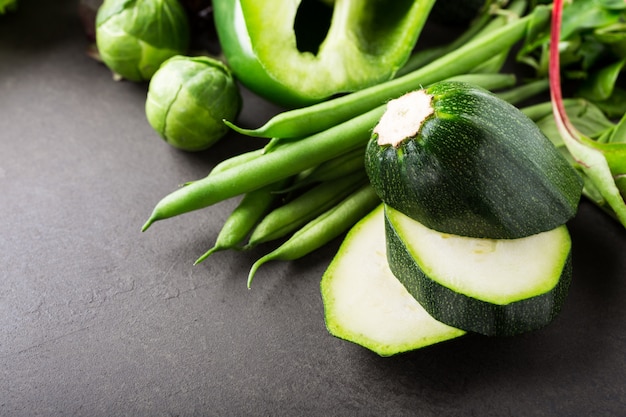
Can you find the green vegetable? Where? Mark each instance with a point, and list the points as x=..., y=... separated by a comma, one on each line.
x=286, y=160
x=315, y=118
x=236, y=161
x=454, y=12
x=305, y=207
x=603, y=164
x=589, y=121
x=588, y=33
x=289, y=122
x=338, y=167
x=587, y=118
x=495, y=287
x=493, y=18
x=524, y=92
x=7, y=6
x=135, y=36
x=251, y=170
x=365, y=303
x=188, y=97
x=355, y=44
x=322, y=229
x=252, y=207
x=462, y=161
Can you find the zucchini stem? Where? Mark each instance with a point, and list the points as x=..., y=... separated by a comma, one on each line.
x=403, y=118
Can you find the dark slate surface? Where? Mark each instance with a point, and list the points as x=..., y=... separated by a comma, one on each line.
x=98, y=319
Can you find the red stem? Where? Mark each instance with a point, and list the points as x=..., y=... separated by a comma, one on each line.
x=554, y=72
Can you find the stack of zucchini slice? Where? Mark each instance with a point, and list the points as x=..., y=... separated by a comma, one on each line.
x=472, y=225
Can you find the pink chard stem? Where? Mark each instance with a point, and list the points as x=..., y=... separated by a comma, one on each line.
x=591, y=160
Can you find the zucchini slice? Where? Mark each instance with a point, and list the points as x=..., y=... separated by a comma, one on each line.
x=495, y=287
x=365, y=304
x=460, y=160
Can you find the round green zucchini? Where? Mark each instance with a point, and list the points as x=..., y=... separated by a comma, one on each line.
x=460, y=160
x=495, y=287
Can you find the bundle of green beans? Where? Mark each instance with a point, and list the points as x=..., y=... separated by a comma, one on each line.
x=313, y=188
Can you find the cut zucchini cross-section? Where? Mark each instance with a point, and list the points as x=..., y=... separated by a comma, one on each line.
x=365, y=304
x=495, y=287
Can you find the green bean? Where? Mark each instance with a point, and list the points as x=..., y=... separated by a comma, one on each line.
x=283, y=162
x=485, y=23
x=293, y=214
x=489, y=81
x=237, y=160
x=274, y=142
x=423, y=56
x=304, y=121
x=252, y=207
x=523, y=92
x=495, y=63
x=232, y=162
x=492, y=65
x=322, y=229
x=338, y=167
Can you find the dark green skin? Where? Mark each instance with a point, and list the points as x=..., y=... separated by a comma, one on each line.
x=468, y=313
x=478, y=167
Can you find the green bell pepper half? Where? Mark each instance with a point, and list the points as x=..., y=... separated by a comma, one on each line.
x=364, y=43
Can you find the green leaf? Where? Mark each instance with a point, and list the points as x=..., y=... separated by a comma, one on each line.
x=613, y=4
x=617, y=134
x=588, y=14
x=585, y=116
x=601, y=83
x=590, y=29
x=595, y=165
x=615, y=106
x=602, y=165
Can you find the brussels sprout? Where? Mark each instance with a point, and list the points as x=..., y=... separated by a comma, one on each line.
x=134, y=37
x=188, y=99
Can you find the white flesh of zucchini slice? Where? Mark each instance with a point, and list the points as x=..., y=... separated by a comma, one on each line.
x=498, y=271
x=365, y=304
